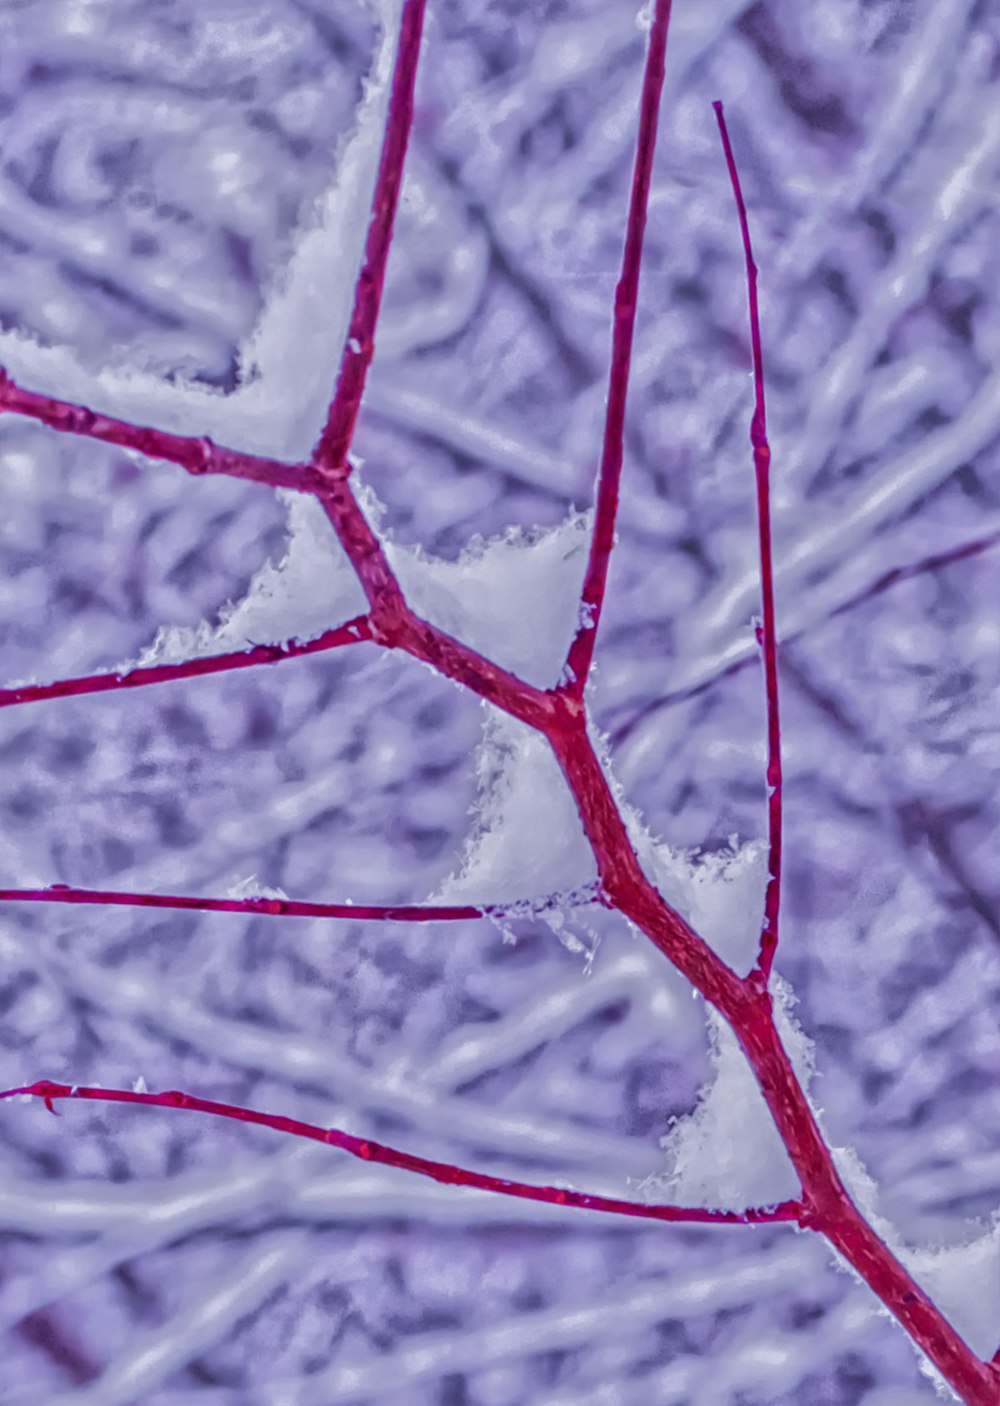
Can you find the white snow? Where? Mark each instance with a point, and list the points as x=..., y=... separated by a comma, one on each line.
x=313, y=588
x=288, y=363
x=514, y=598
x=727, y=1153
x=527, y=840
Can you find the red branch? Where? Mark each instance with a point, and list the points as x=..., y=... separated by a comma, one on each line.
x=353, y=632
x=581, y=651
x=369, y=1151
x=198, y=454
x=767, y=635
x=825, y=1204
x=330, y=453
x=395, y=626
x=284, y=907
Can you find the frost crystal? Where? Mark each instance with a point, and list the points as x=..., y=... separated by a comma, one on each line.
x=251, y=888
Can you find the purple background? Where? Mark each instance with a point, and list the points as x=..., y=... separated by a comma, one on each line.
x=155, y=162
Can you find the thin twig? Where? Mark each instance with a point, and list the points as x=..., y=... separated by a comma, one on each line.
x=198, y=454
x=377, y=1152
x=271, y=905
x=355, y=631
x=330, y=453
x=609, y=475
x=767, y=632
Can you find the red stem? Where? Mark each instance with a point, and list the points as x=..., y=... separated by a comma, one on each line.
x=831, y=1211
x=767, y=636
x=285, y=907
x=353, y=632
x=199, y=455
x=746, y=1006
x=581, y=652
x=825, y=1204
x=370, y=1151
x=331, y=451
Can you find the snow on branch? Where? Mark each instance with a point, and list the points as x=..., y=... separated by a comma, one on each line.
x=198, y=454
x=287, y=363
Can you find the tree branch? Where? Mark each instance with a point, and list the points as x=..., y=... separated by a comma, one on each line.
x=581, y=651
x=198, y=454
x=825, y=1204
x=286, y=907
x=356, y=631
x=377, y=1152
x=330, y=453
x=767, y=636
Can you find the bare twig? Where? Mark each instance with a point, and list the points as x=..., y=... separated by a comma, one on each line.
x=272, y=905
x=355, y=631
x=330, y=454
x=368, y=1150
x=766, y=632
x=581, y=651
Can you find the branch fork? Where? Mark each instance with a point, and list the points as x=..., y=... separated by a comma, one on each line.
x=825, y=1205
